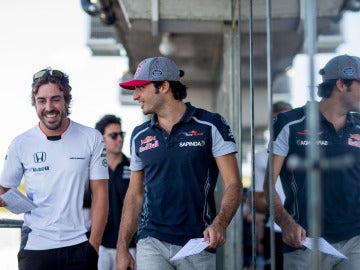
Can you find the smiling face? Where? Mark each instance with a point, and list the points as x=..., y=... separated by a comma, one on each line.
x=149, y=97
x=51, y=109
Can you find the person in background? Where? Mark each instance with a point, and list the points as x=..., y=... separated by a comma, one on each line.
x=57, y=158
x=338, y=136
x=260, y=159
x=176, y=157
x=248, y=220
x=119, y=178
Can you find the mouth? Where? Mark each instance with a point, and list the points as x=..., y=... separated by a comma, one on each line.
x=51, y=115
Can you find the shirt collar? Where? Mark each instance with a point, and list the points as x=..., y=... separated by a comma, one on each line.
x=190, y=111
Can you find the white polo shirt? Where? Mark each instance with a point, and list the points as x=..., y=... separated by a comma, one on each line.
x=55, y=173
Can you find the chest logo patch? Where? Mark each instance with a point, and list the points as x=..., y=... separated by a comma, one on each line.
x=354, y=140
x=308, y=142
x=187, y=144
x=149, y=142
x=193, y=133
x=39, y=157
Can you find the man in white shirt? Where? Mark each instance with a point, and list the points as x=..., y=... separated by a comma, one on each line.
x=58, y=158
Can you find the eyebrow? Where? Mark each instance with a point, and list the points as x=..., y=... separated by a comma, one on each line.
x=53, y=97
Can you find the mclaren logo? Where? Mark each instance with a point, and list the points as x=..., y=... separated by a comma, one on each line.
x=39, y=157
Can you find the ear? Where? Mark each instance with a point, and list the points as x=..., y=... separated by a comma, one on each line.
x=341, y=86
x=165, y=87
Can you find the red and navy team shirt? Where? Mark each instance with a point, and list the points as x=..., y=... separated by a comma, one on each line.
x=340, y=187
x=180, y=173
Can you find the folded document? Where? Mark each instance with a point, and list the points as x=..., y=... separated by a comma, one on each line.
x=16, y=202
x=192, y=247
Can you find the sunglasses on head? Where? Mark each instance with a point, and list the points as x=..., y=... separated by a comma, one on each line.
x=52, y=72
x=114, y=135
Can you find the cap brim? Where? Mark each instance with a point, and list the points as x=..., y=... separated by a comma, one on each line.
x=130, y=85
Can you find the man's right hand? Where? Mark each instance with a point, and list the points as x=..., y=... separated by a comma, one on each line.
x=2, y=191
x=2, y=203
x=124, y=260
x=293, y=234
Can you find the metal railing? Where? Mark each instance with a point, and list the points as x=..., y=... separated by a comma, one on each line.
x=11, y=223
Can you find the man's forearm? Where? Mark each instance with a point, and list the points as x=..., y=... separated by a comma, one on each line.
x=229, y=205
x=129, y=220
x=281, y=217
x=99, y=213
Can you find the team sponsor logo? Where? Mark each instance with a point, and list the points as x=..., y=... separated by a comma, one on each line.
x=41, y=169
x=126, y=172
x=192, y=144
x=149, y=142
x=76, y=158
x=104, y=162
x=224, y=121
x=148, y=139
x=303, y=132
x=157, y=73
x=354, y=140
x=39, y=157
x=308, y=142
x=103, y=153
x=194, y=133
x=230, y=134
x=348, y=71
x=306, y=132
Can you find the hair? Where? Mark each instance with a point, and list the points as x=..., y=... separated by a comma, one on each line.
x=62, y=82
x=107, y=120
x=177, y=88
x=281, y=106
x=326, y=87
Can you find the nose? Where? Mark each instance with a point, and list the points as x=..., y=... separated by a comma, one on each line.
x=136, y=94
x=48, y=105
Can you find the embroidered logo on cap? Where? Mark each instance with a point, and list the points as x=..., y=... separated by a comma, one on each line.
x=157, y=73
x=348, y=71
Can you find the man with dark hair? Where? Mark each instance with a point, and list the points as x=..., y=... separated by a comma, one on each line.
x=58, y=158
x=175, y=161
x=119, y=178
x=339, y=135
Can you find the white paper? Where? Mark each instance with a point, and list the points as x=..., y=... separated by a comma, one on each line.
x=16, y=202
x=324, y=247
x=192, y=247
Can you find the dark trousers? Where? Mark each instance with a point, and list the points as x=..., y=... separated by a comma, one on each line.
x=278, y=250
x=79, y=257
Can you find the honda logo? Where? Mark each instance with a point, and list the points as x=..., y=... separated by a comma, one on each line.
x=39, y=157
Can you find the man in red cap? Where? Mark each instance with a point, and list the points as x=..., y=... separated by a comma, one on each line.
x=176, y=158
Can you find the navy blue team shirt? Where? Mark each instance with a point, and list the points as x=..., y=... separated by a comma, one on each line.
x=340, y=188
x=118, y=184
x=180, y=173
